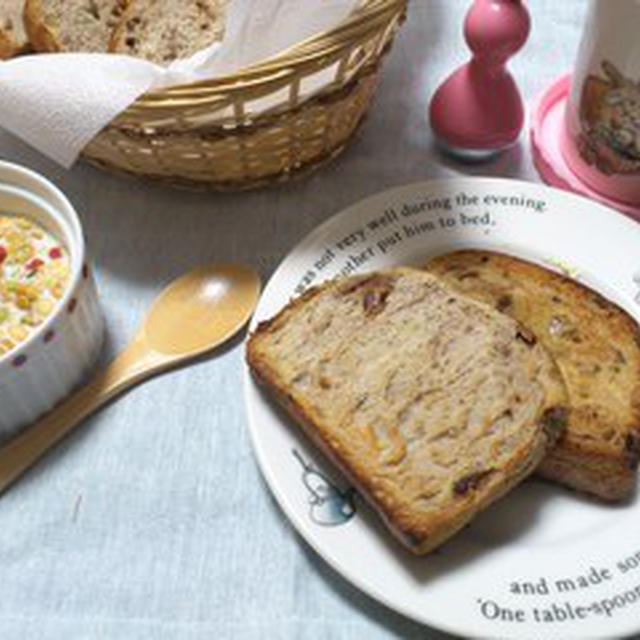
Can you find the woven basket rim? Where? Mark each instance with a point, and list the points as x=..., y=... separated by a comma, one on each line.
x=264, y=123
x=364, y=18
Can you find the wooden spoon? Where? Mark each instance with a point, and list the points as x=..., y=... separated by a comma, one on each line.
x=194, y=314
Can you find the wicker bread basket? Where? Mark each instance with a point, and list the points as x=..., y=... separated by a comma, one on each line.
x=311, y=99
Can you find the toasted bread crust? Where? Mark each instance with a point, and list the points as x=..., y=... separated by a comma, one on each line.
x=597, y=347
x=7, y=48
x=45, y=35
x=40, y=35
x=388, y=491
x=10, y=45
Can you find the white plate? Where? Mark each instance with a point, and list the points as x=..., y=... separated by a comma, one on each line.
x=543, y=562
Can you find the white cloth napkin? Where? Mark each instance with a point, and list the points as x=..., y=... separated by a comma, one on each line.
x=59, y=102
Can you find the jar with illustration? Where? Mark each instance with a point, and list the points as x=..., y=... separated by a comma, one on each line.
x=601, y=140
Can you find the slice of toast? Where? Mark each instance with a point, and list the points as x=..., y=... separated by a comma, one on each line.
x=432, y=404
x=72, y=25
x=597, y=347
x=13, y=38
x=165, y=30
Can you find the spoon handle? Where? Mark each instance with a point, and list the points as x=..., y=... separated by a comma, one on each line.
x=133, y=365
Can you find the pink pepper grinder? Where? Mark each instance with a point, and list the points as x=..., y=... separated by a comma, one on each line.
x=477, y=112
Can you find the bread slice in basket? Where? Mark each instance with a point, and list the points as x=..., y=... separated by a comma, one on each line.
x=72, y=25
x=597, y=347
x=432, y=404
x=13, y=38
x=165, y=30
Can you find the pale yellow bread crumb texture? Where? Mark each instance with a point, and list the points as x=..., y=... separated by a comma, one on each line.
x=72, y=25
x=163, y=30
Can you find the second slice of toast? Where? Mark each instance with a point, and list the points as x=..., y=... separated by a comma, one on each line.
x=432, y=404
x=597, y=347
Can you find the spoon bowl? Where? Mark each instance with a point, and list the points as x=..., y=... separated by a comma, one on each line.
x=193, y=315
x=201, y=309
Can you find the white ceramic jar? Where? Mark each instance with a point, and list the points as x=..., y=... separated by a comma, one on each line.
x=601, y=139
x=45, y=368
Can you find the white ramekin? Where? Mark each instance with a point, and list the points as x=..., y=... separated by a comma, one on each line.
x=45, y=368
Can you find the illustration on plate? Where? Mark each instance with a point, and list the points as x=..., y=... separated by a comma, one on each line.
x=329, y=505
x=636, y=280
x=610, y=116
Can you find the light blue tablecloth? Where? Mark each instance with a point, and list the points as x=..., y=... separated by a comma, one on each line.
x=153, y=521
